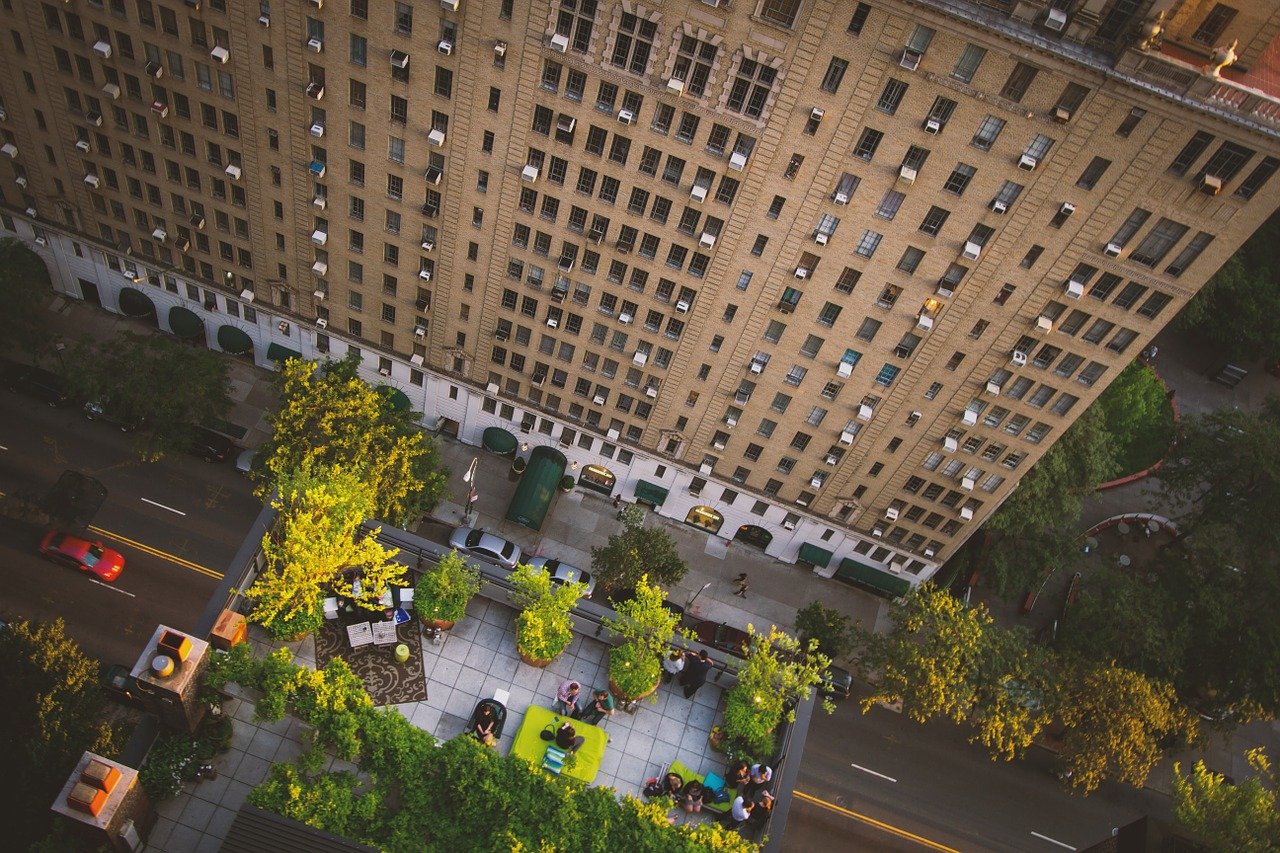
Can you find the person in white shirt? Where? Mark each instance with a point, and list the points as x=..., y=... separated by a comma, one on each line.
x=672, y=665
x=741, y=809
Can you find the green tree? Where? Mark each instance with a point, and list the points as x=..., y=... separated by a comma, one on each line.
x=544, y=628
x=315, y=540
x=1138, y=416
x=779, y=672
x=171, y=385
x=1243, y=816
x=53, y=711
x=331, y=416
x=25, y=289
x=646, y=628
x=635, y=552
x=832, y=629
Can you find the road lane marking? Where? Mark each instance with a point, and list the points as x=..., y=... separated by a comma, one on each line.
x=112, y=588
x=2, y=447
x=870, y=821
x=156, y=552
x=872, y=772
x=1052, y=840
x=162, y=506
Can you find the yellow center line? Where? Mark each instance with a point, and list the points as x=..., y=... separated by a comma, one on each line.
x=156, y=552
x=870, y=821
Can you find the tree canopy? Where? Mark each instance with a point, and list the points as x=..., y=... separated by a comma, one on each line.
x=831, y=629
x=1243, y=816
x=779, y=672
x=634, y=552
x=332, y=417
x=25, y=289
x=153, y=377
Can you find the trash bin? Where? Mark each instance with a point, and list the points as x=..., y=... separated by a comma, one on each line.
x=402, y=653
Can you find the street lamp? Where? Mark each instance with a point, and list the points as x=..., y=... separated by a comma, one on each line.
x=472, y=495
x=689, y=604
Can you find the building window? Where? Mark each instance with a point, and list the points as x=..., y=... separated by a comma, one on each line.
x=575, y=21
x=859, y=19
x=1184, y=259
x=694, y=59
x=1257, y=178
x=987, y=133
x=1019, y=81
x=780, y=12
x=1130, y=122
x=1158, y=242
x=1093, y=172
x=633, y=43
x=868, y=143
x=1190, y=152
x=959, y=178
x=934, y=220
x=868, y=243
x=1227, y=161
x=891, y=97
x=835, y=74
x=751, y=87
x=967, y=65
x=1211, y=28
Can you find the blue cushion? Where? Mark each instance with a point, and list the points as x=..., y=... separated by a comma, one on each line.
x=713, y=781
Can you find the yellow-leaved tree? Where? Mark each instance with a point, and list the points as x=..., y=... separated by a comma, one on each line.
x=316, y=547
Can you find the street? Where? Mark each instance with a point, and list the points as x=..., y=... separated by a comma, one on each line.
x=177, y=522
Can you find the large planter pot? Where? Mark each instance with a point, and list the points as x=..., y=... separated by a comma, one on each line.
x=538, y=662
x=441, y=624
x=623, y=697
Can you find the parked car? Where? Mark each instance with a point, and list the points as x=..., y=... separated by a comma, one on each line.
x=107, y=412
x=121, y=685
x=209, y=445
x=41, y=384
x=480, y=544
x=836, y=683
x=87, y=555
x=565, y=573
x=244, y=462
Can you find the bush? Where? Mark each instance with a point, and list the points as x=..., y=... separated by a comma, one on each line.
x=1139, y=417
x=176, y=758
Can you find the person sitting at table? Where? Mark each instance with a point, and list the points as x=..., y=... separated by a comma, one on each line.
x=690, y=798
x=486, y=724
x=568, y=739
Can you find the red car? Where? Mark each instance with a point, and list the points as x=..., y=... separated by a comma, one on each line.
x=82, y=554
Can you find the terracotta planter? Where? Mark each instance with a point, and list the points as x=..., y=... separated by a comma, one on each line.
x=538, y=662
x=623, y=697
x=442, y=624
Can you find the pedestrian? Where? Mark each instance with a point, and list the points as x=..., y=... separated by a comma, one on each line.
x=741, y=581
x=567, y=698
x=600, y=708
x=672, y=664
x=617, y=500
x=695, y=674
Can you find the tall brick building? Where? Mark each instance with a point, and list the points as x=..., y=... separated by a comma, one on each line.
x=827, y=277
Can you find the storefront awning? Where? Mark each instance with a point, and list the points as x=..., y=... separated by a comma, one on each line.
x=815, y=556
x=870, y=578
x=234, y=340
x=281, y=354
x=185, y=323
x=537, y=487
x=498, y=440
x=135, y=303
x=649, y=493
x=399, y=399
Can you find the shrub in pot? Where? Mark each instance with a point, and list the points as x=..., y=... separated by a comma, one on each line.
x=519, y=464
x=543, y=627
x=566, y=483
x=646, y=628
x=441, y=594
x=779, y=671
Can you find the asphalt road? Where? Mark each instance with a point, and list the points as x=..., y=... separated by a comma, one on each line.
x=178, y=522
x=929, y=783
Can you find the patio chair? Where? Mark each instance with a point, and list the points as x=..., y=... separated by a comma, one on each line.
x=499, y=712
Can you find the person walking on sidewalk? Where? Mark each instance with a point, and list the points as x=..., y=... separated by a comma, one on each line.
x=741, y=581
x=695, y=673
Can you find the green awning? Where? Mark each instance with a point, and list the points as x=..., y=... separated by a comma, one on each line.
x=498, y=440
x=185, y=323
x=399, y=399
x=649, y=493
x=135, y=303
x=870, y=578
x=537, y=487
x=234, y=340
x=815, y=556
x=281, y=354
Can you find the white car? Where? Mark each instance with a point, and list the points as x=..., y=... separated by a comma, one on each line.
x=564, y=573
x=468, y=540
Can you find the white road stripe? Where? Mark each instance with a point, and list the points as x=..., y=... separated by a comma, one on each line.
x=872, y=772
x=1053, y=841
x=162, y=506
x=112, y=588
x=2, y=447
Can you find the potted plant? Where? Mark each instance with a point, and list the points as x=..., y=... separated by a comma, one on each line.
x=518, y=465
x=567, y=483
x=778, y=672
x=441, y=594
x=543, y=627
x=646, y=628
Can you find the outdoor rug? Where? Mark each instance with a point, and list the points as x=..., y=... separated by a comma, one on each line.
x=388, y=682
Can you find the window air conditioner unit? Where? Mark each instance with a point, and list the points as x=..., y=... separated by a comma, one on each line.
x=737, y=161
x=640, y=358
x=321, y=269
x=220, y=54
x=932, y=126
x=31, y=211
x=184, y=245
x=698, y=192
x=993, y=388
x=896, y=567
x=1075, y=289
x=789, y=525
x=675, y=87
x=820, y=238
x=929, y=552
x=1210, y=185
x=319, y=4
x=197, y=221
x=233, y=172
x=21, y=181
x=500, y=49
x=445, y=46
x=846, y=437
x=1044, y=324
x=844, y=368
x=319, y=237
x=614, y=434
x=891, y=514
x=718, y=445
x=972, y=250
x=816, y=114
x=322, y=323
x=1018, y=358
x=320, y=202
x=317, y=169
x=315, y=90
x=924, y=321
x=160, y=108
x=831, y=459
x=399, y=59
x=95, y=118
x=705, y=468
x=428, y=245
x=530, y=174
x=682, y=306
x=492, y=388
x=998, y=206
x=103, y=49
x=317, y=130
x=319, y=295
x=159, y=234
x=967, y=484
x=41, y=241
x=559, y=43
x=626, y=116
x=1067, y=209
x=83, y=145
x=264, y=20
x=1027, y=163
x=966, y=513
x=91, y=180
x=1056, y=20
x=246, y=295
x=625, y=319
x=652, y=391
x=450, y=5
x=436, y=138
x=425, y=275
x=1112, y=250
x=815, y=483
x=907, y=174
x=757, y=367
x=865, y=412
x=417, y=360
x=433, y=175
x=802, y=272
x=950, y=444
x=878, y=530
x=112, y=91
x=552, y=322
x=910, y=59
x=708, y=240
x=384, y=371
x=315, y=45
x=1061, y=115
x=841, y=198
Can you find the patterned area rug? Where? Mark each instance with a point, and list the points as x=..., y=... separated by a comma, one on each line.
x=388, y=682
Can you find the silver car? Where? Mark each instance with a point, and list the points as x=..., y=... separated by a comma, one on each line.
x=564, y=573
x=468, y=540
